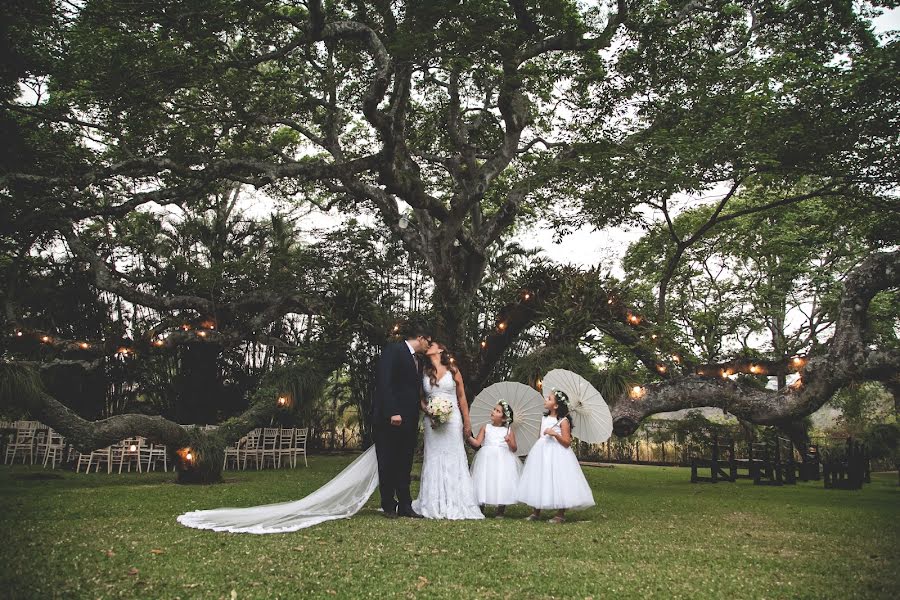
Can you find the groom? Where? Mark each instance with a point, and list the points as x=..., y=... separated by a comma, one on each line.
x=395, y=416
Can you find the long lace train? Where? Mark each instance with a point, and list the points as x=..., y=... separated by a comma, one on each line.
x=340, y=498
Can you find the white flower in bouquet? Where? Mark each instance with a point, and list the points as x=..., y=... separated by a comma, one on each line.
x=440, y=409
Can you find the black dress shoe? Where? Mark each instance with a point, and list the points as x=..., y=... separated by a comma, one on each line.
x=390, y=514
x=409, y=512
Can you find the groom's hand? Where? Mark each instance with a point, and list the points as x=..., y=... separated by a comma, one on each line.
x=396, y=420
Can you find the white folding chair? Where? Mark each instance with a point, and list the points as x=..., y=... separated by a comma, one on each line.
x=54, y=446
x=95, y=459
x=285, y=446
x=250, y=450
x=233, y=452
x=22, y=442
x=129, y=450
x=299, y=447
x=155, y=454
x=267, y=449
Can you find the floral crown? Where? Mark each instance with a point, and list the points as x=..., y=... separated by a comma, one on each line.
x=507, y=410
x=561, y=397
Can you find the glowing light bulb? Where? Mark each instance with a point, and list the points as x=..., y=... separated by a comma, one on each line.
x=45, y=338
x=132, y=448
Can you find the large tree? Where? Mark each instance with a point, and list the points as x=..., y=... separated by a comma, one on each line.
x=452, y=123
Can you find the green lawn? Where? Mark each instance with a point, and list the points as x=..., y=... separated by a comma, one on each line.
x=653, y=534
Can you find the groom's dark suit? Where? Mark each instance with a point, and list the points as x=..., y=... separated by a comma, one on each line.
x=398, y=384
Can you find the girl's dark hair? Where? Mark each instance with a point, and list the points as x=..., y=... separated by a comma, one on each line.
x=562, y=408
x=431, y=371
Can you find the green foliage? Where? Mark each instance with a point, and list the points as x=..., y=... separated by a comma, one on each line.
x=883, y=441
x=20, y=386
x=863, y=406
x=777, y=274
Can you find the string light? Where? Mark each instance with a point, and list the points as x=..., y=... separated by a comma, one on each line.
x=661, y=368
x=676, y=358
x=187, y=455
x=282, y=400
x=158, y=343
x=634, y=319
x=725, y=374
x=637, y=391
x=396, y=328
x=201, y=334
x=527, y=296
x=484, y=343
x=45, y=339
x=501, y=326
x=132, y=448
x=186, y=327
x=654, y=336
x=19, y=334
x=755, y=369
x=123, y=351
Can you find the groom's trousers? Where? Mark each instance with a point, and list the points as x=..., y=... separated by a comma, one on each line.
x=395, y=447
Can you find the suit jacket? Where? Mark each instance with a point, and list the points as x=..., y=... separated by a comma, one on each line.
x=398, y=385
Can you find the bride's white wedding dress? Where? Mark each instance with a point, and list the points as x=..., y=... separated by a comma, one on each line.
x=340, y=498
x=446, y=490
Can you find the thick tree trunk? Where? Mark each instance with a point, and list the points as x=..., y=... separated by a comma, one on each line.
x=848, y=358
x=197, y=455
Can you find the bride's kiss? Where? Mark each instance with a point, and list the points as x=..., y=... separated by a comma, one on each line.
x=405, y=384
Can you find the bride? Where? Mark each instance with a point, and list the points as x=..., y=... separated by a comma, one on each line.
x=446, y=490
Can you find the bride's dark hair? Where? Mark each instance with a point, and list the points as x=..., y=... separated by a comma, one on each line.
x=431, y=371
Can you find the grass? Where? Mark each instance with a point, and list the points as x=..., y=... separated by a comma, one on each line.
x=652, y=534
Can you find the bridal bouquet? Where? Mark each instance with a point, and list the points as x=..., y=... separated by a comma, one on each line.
x=440, y=410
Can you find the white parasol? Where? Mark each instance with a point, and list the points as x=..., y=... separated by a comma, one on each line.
x=526, y=404
x=590, y=414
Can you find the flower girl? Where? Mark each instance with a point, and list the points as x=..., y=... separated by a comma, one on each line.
x=552, y=477
x=496, y=468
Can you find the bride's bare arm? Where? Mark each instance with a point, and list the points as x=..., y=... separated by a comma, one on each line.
x=463, y=405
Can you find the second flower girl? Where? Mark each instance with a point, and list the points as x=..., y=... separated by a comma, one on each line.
x=496, y=469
